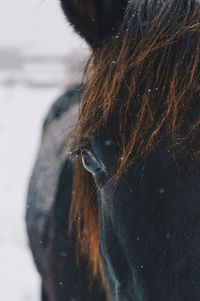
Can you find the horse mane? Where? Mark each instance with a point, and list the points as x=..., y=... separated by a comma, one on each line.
x=143, y=87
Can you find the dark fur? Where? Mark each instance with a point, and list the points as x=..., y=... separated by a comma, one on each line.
x=143, y=95
x=94, y=20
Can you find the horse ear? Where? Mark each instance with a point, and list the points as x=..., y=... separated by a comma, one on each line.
x=94, y=19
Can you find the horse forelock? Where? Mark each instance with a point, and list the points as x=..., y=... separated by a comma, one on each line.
x=144, y=79
x=143, y=86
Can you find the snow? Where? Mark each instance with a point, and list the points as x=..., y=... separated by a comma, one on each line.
x=35, y=31
x=36, y=24
x=18, y=279
x=21, y=116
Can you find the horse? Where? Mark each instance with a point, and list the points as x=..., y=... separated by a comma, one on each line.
x=132, y=207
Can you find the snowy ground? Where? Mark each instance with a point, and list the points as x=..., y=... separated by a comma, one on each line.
x=22, y=112
x=34, y=29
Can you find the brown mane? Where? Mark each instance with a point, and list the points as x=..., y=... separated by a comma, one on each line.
x=144, y=82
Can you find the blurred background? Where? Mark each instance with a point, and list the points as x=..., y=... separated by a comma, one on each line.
x=40, y=56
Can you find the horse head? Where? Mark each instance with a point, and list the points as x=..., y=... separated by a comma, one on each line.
x=136, y=193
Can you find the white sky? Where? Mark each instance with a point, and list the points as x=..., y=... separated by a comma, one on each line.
x=38, y=24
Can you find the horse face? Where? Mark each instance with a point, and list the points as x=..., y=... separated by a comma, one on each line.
x=149, y=219
x=149, y=225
